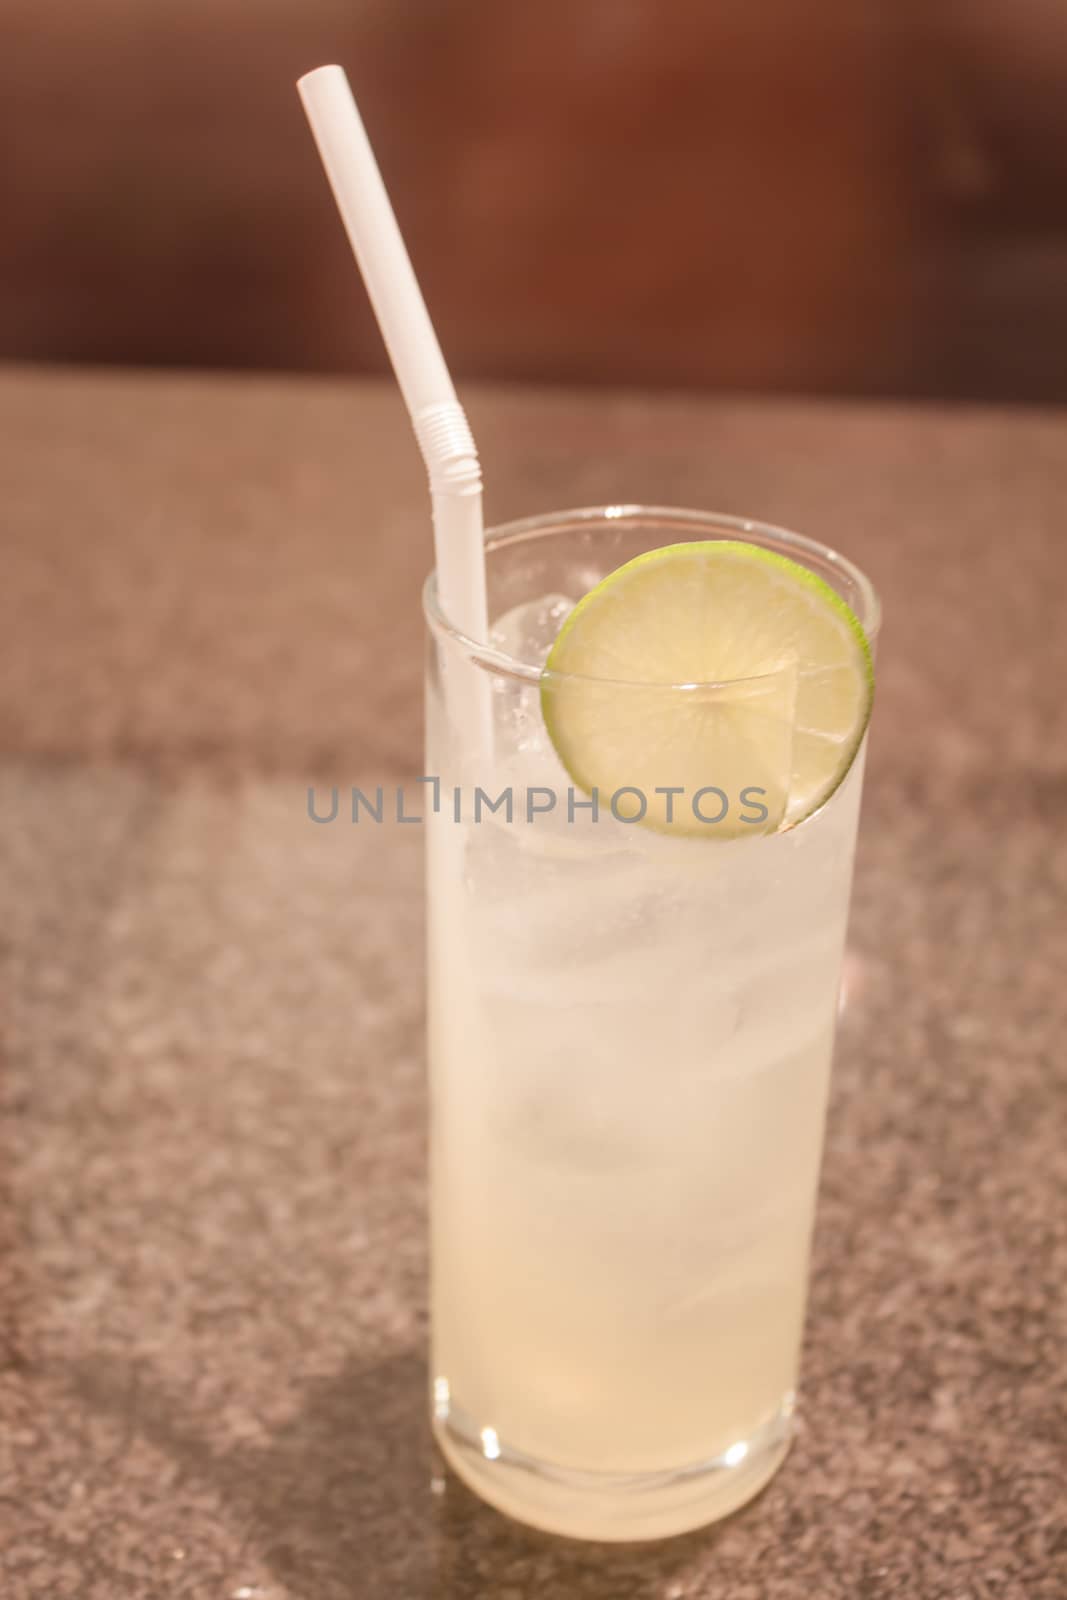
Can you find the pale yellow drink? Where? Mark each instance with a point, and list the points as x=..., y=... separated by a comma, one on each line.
x=630, y=1044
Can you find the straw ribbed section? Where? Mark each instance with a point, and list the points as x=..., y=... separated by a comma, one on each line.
x=448, y=449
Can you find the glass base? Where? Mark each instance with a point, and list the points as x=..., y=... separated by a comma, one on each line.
x=619, y=1507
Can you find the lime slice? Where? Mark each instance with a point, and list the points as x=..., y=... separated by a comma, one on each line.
x=778, y=688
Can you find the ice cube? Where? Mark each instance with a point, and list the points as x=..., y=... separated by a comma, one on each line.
x=524, y=752
x=528, y=631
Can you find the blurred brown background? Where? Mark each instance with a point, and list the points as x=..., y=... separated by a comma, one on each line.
x=829, y=195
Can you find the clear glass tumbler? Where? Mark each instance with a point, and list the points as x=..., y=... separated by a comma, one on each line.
x=630, y=1036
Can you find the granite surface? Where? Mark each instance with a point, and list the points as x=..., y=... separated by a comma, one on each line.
x=212, y=1193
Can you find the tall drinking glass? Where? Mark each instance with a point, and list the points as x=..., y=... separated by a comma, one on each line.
x=630, y=1036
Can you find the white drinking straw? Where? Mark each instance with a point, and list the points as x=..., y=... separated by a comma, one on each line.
x=440, y=424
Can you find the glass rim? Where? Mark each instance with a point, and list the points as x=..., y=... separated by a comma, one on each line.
x=500, y=663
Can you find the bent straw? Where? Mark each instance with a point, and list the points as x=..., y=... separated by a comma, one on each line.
x=441, y=428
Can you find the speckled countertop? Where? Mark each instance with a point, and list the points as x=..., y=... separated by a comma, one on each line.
x=212, y=1197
